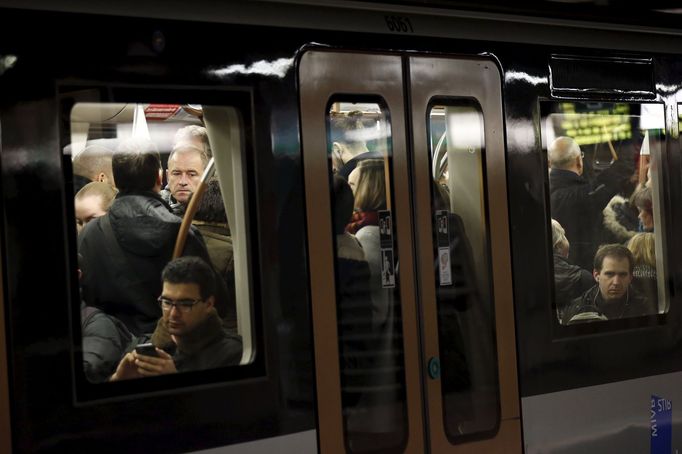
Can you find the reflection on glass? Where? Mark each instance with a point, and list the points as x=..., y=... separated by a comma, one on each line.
x=367, y=295
x=603, y=181
x=128, y=218
x=466, y=336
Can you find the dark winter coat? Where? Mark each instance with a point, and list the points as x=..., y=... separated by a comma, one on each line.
x=631, y=305
x=124, y=253
x=105, y=340
x=577, y=205
x=354, y=317
x=570, y=281
x=219, y=244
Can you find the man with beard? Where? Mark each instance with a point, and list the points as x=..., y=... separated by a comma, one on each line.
x=190, y=334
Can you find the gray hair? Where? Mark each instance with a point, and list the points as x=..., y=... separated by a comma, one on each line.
x=559, y=240
x=188, y=147
x=190, y=134
x=562, y=152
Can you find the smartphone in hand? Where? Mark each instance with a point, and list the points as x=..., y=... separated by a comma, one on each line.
x=147, y=349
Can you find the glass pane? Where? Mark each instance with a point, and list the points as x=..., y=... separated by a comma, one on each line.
x=367, y=293
x=466, y=333
x=135, y=169
x=604, y=167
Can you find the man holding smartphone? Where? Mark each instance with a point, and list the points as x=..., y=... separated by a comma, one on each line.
x=189, y=335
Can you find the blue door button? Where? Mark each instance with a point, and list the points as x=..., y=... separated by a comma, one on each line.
x=434, y=368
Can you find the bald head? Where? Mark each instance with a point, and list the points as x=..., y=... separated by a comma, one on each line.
x=564, y=153
x=94, y=163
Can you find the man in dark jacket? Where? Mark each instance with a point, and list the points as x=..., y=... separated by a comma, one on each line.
x=613, y=297
x=186, y=165
x=125, y=250
x=576, y=203
x=105, y=340
x=190, y=335
x=570, y=281
x=211, y=220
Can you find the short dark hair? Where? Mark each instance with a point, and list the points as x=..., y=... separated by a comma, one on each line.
x=342, y=203
x=136, y=167
x=617, y=251
x=211, y=208
x=191, y=270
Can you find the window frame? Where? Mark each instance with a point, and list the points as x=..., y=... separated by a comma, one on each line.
x=240, y=101
x=559, y=331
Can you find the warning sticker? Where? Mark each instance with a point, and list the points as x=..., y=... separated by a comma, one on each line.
x=443, y=239
x=444, y=266
x=387, y=268
x=160, y=112
x=385, y=229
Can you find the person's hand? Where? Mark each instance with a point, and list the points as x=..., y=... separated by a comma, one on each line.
x=149, y=366
x=126, y=369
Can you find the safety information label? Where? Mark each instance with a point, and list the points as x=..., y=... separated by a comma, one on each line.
x=443, y=238
x=661, y=417
x=386, y=241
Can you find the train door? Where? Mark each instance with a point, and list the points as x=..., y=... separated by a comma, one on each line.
x=408, y=253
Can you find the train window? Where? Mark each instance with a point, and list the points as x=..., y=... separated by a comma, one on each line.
x=466, y=318
x=606, y=222
x=162, y=244
x=373, y=393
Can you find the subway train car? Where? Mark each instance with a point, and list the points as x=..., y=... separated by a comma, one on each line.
x=405, y=274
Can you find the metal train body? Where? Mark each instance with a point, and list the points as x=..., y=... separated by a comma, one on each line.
x=279, y=67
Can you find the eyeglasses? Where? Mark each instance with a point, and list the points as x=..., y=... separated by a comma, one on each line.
x=183, y=306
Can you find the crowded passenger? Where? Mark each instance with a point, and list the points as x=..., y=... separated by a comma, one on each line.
x=194, y=135
x=125, y=250
x=570, y=281
x=368, y=183
x=460, y=308
x=577, y=203
x=104, y=340
x=349, y=145
x=186, y=165
x=613, y=297
x=354, y=307
x=190, y=334
x=92, y=164
x=93, y=201
x=620, y=219
x=211, y=220
x=642, y=199
x=642, y=246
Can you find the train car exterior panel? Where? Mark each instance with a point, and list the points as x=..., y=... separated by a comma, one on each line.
x=580, y=389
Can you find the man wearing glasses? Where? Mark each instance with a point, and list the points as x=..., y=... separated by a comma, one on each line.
x=576, y=202
x=190, y=334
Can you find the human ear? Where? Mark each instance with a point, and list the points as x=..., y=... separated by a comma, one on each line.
x=595, y=273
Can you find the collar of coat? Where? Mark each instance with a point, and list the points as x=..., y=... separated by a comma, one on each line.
x=204, y=334
x=565, y=176
x=348, y=247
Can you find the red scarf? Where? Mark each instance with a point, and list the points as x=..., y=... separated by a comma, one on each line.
x=361, y=219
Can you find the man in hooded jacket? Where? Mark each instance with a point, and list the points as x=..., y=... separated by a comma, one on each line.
x=125, y=251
